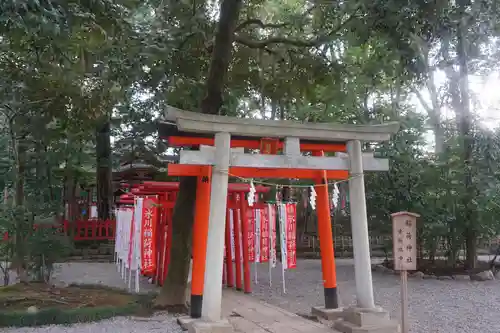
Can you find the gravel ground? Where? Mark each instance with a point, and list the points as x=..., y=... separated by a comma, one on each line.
x=163, y=323
x=435, y=306
x=105, y=274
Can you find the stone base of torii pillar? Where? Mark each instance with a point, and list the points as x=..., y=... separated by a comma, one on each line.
x=358, y=320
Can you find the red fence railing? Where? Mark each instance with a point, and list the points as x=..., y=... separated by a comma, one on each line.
x=82, y=230
x=91, y=229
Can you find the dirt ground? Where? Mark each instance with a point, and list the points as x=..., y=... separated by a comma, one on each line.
x=22, y=296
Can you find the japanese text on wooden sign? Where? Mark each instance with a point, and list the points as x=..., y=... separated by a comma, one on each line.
x=148, y=231
x=404, y=235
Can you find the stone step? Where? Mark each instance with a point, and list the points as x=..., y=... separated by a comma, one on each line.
x=347, y=327
x=91, y=258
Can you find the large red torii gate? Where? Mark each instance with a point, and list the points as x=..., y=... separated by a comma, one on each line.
x=214, y=165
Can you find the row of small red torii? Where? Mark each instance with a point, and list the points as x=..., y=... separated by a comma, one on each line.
x=161, y=198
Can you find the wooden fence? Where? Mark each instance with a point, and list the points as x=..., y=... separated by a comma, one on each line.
x=343, y=244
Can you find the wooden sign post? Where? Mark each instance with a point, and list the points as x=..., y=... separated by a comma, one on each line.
x=404, y=237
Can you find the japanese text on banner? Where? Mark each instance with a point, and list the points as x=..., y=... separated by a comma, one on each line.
x=291, y=235
x=251, y=234
x=283, y=233
x=264, y=235
x=271, y=211
x=148, y=234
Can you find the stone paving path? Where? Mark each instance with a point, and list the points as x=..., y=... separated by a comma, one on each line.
x=249, y=315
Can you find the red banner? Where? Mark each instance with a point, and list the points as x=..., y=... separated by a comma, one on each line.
x=264, y=234
x=148, y=233
x=291, y=235
x=251, y=234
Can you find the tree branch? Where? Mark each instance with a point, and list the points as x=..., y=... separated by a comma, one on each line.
x=257, y=44
x=422, y=101
x=260, y=24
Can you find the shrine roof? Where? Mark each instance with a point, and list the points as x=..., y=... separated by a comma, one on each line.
x=181, y=122
x=135, y=166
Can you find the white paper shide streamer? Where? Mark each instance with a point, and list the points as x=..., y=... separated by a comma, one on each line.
x=251, y=195
x=312, y=197
x=283, y=241
x=128, y=245
x=335, y=195
x=272, y=241
x=257, y=241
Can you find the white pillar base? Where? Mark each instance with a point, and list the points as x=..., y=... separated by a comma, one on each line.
x=186, y=321
x=321, y=312
x=372, y=320
x=221, y=326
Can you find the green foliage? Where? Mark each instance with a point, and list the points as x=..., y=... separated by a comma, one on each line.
x=47, y=246
x=131, y=305
x=34, y=249
x=64, y=317
x=432, y=187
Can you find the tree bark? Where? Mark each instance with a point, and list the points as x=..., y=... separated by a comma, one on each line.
x=435, y=116
x=434, y=109
x=465, y=128
x=221, y=56
x=19, y=148
x=103, y=161
x=173, y=292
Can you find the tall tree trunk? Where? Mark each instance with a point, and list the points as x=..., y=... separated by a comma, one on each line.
x=462, y=217
x=48, y=175
x=173, y=292
x=465, y=129
x=435, y=116
x=103, y=154
x=434, y=109
x=262, y=85
x=21, y=229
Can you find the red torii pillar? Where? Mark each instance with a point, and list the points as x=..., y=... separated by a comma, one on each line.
x=199, y=248
x=326, y=240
